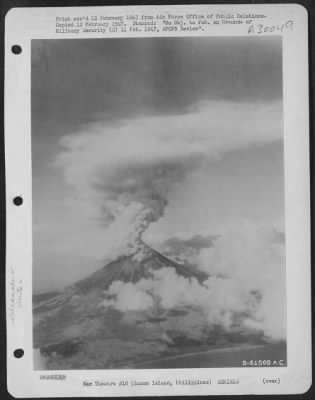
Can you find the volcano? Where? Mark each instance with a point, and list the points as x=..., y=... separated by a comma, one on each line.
x=131, y=268
x=73, y=330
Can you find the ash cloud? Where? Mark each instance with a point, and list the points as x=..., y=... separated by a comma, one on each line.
x=121, y=175
x=184, y=250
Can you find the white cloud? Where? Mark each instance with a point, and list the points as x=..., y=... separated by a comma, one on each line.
x=246, y=275
x=248, y=255
x=128, y=297
x=138, y=163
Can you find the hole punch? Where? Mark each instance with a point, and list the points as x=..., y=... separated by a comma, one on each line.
x=18, y=200
x=18, y=353
x=16, y=49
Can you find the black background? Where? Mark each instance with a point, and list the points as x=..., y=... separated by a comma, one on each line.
x=5, y=6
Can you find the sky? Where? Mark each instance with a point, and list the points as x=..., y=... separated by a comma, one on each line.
x=206, y=113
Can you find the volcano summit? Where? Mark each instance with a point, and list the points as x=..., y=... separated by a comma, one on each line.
x=140, y=264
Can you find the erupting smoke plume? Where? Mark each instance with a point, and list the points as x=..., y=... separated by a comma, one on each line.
x=122, y=175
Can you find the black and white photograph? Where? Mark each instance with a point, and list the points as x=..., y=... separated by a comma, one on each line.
x=158, y=203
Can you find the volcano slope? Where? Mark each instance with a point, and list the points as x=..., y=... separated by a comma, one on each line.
x=81, y=328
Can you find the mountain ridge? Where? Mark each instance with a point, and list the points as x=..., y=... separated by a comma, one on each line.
x=132, y=268
x=74, y=330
